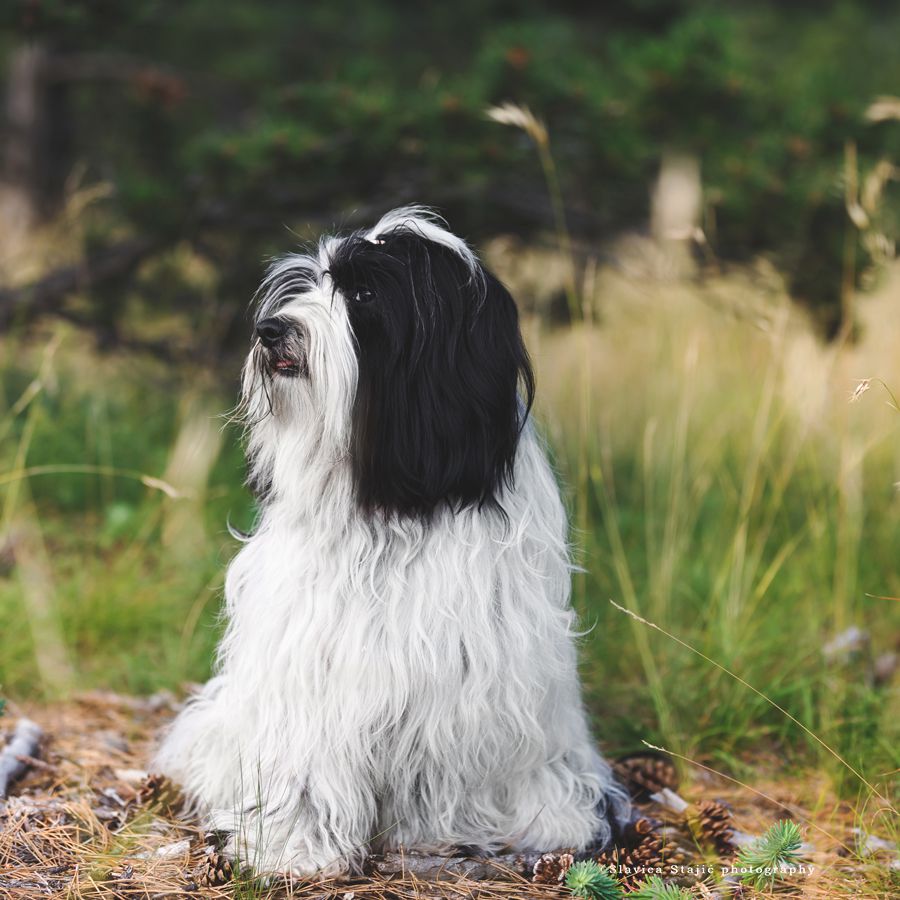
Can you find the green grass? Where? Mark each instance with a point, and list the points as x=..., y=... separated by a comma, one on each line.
x=732, y=495
x=721, y=484
x=132, y=575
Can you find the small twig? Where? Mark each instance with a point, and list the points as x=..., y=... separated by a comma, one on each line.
x=670, y=800
x=24, y=742
x=32, y=762
x=435, y=868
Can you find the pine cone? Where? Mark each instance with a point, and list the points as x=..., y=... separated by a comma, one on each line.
x=634, y=865
x=551, y=868
x=216, y=871
x=647, y=773
x=635, y=831
x=157, y=790
x=626, y=865
x=716, y=826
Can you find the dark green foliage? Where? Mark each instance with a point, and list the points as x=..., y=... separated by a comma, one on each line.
x=227, y=120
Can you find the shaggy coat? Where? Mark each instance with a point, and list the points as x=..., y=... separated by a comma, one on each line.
x=399, y=663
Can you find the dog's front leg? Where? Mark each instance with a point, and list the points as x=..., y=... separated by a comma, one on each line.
x=291, y=792
x=320, y=827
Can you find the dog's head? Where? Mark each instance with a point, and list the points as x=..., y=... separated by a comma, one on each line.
x=396, y=349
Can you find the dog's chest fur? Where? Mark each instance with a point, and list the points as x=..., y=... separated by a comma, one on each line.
x=392, y=613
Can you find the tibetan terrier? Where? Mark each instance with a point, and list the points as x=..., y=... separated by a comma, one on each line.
x=399, y=664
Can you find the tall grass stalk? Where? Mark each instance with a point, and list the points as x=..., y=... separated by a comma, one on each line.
x=580, y=310
x=762, y=695
x=807, y=820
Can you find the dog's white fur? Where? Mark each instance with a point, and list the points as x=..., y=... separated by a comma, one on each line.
x=386, y=683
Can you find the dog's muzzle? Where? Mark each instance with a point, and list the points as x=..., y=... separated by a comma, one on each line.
x=284, y=346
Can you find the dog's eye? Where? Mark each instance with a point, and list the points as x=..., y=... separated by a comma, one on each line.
x=363, y=295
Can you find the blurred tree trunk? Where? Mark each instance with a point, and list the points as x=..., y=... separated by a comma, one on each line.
x=191, y=460
x=38, y=140
x=40, y=602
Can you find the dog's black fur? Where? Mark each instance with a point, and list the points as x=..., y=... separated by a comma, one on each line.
x=438, y=412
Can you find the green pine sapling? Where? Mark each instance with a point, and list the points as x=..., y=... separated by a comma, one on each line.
x=655, y=888
x=764, y=859
x=592, y=882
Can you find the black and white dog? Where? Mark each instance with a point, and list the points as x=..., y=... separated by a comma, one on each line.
x=399, y=666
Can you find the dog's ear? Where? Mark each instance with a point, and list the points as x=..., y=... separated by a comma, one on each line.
x=445, y=383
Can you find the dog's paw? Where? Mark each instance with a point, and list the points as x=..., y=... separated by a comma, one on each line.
x=288, y=856
x=305, y=869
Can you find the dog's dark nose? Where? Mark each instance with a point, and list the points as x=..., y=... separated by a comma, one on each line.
x=271, y=330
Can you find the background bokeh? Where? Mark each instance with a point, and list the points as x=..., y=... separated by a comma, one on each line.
x=695, y=205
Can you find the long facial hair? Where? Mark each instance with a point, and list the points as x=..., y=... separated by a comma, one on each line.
x=428, y=406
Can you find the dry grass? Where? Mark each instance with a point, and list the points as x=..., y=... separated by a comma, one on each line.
x=78, y=827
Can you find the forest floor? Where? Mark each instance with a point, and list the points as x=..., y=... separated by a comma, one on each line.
x=84, y=820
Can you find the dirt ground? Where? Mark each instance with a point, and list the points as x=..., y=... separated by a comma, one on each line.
x=86, y=821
